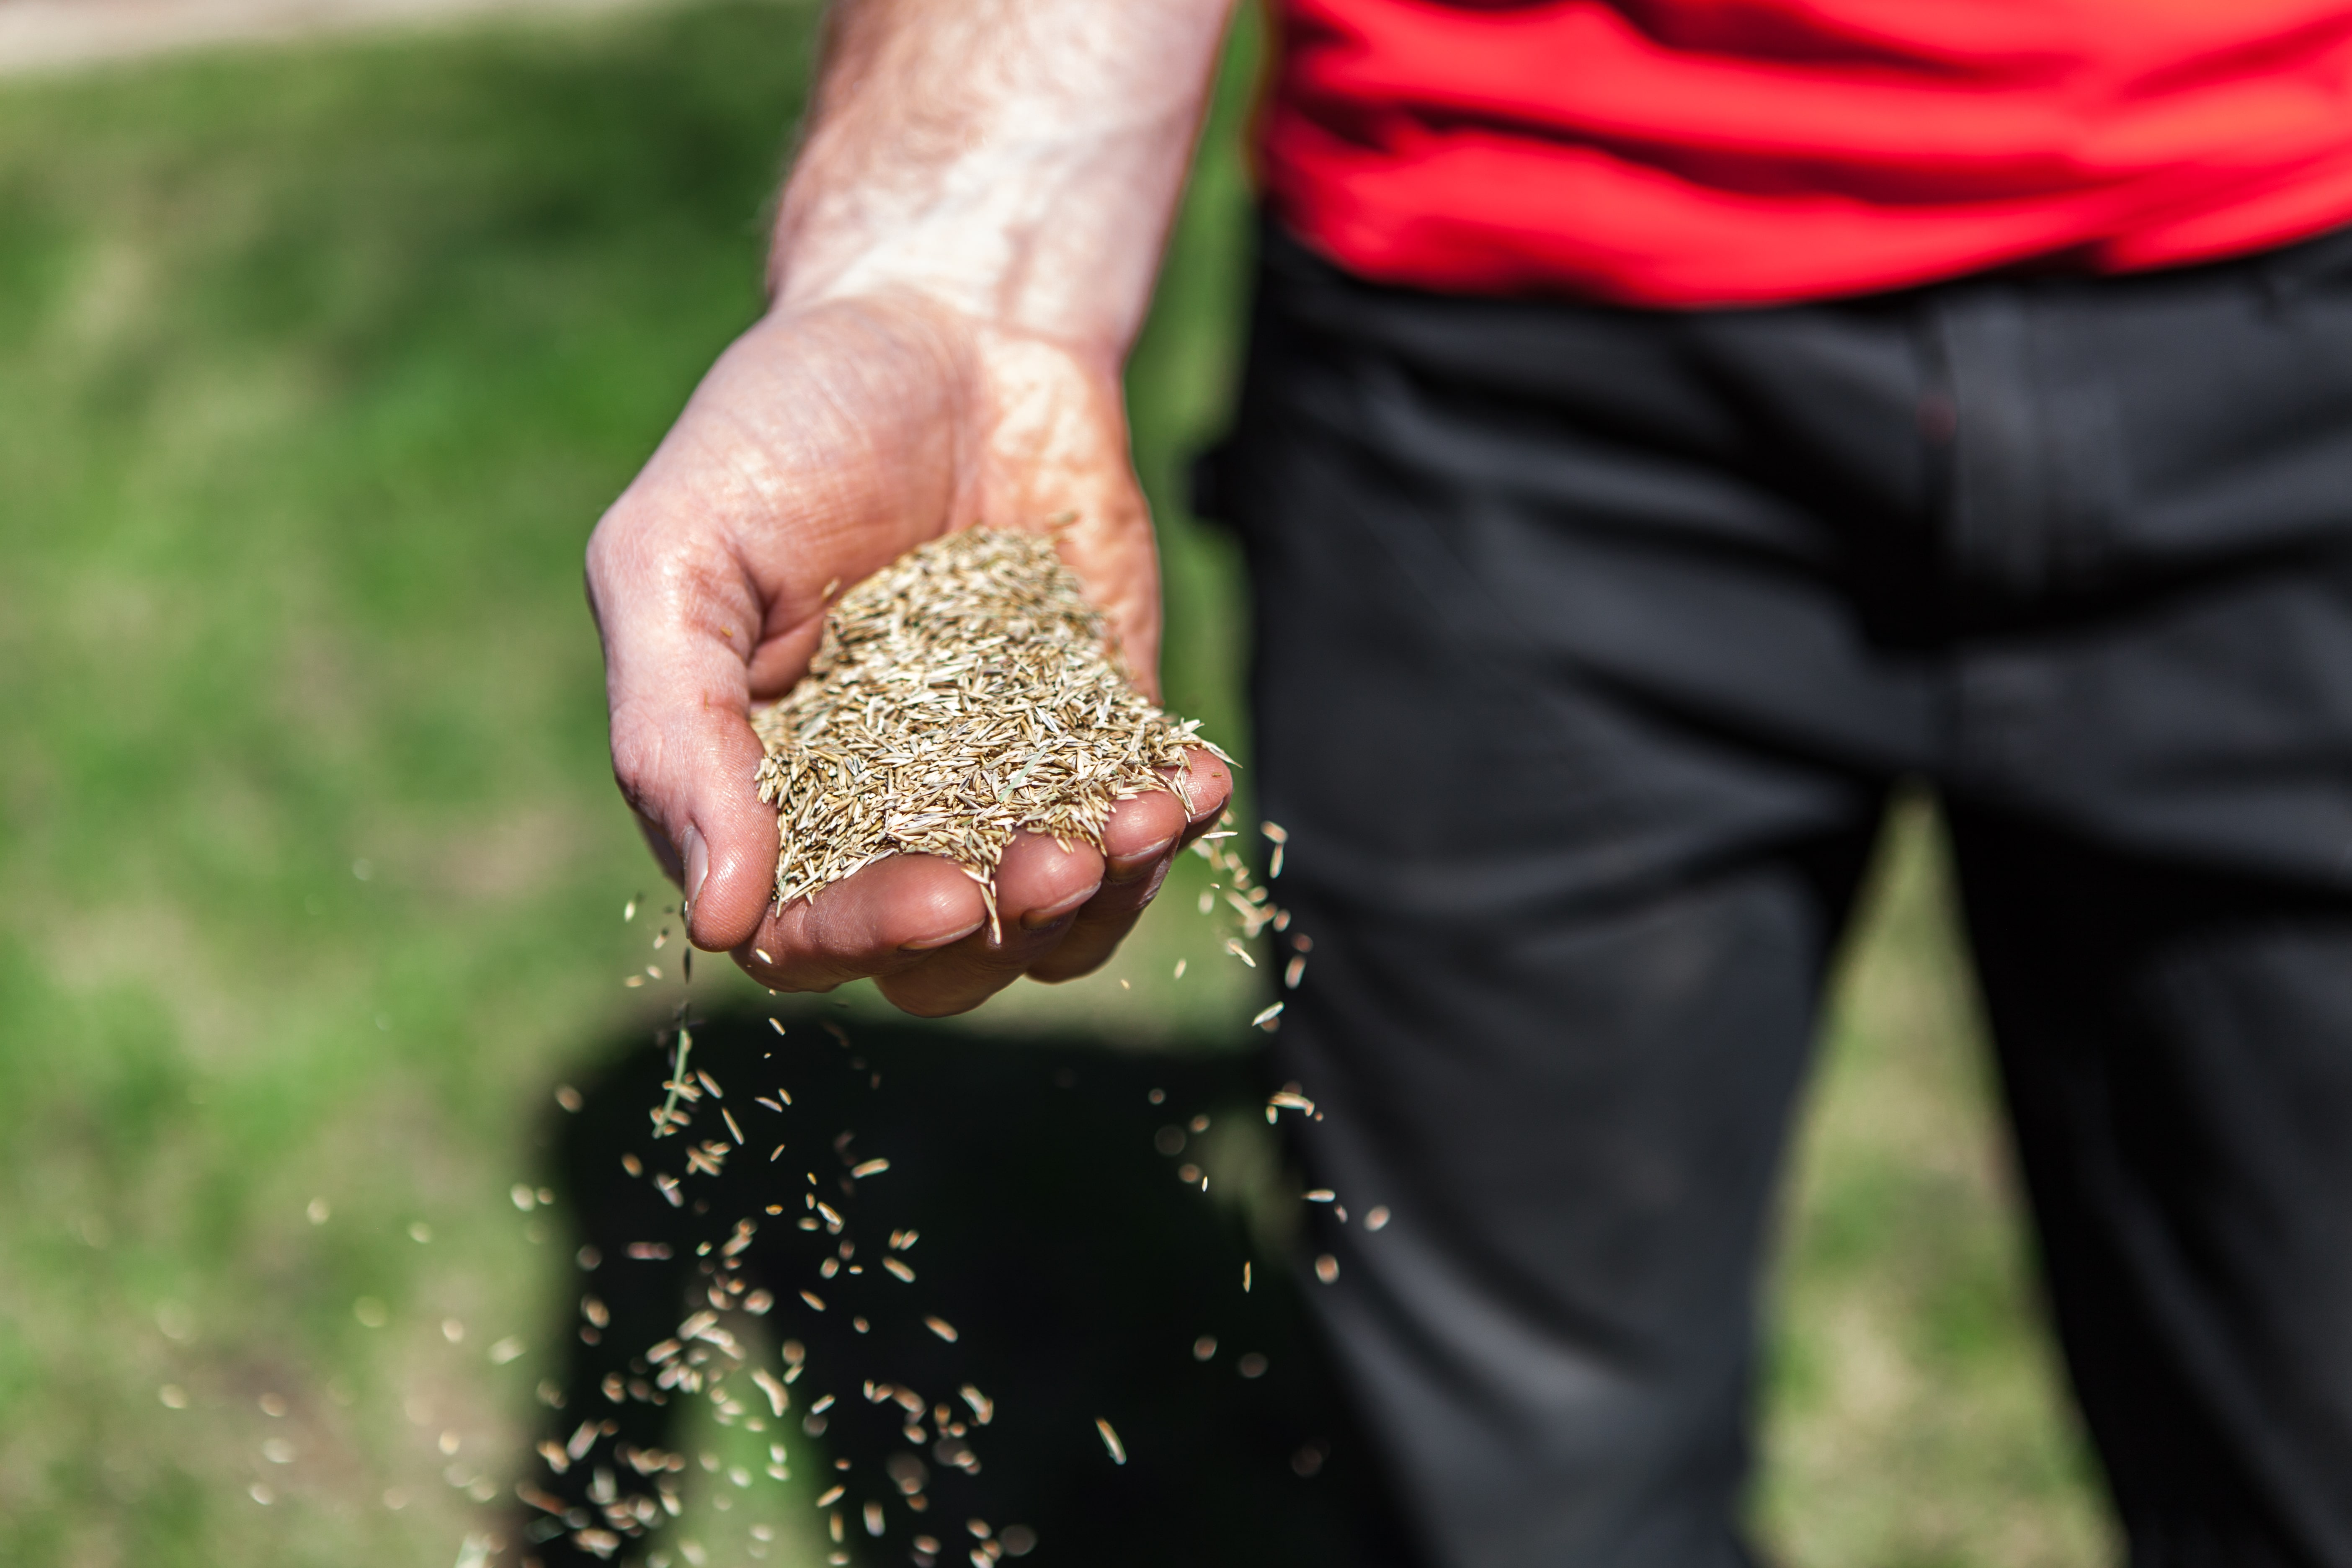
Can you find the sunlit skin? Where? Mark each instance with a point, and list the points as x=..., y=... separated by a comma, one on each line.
x=962, y=256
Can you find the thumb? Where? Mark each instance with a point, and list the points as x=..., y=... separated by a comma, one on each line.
x=676, y=644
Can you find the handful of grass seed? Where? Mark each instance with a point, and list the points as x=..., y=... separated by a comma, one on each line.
x=964, y=693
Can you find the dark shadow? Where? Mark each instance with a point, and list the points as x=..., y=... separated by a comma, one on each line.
x=1055, y=1236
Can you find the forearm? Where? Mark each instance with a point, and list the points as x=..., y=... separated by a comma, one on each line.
x=1014, y=161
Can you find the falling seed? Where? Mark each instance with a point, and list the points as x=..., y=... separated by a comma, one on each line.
x=1267, y=1016
x=871, y=1168
x=1321, y=1195
x=832, y=1497
x=762, y=954
x=1327, y=1268
x=629, y=911
x=1123, y=985
x=816, y=1303
x=1246, y=1276
x=1110, y=1441
x=899, y=1269
x=1180, y=963
x=568, y=1097
x=873, y=1511
x=1204, y=1347
x=319, y=1210
x=1274, y=864
x=452, y=1330
x=1251, y=1365
x=776, y=1024
x=419, y=1232
x=1293, y=972
x=1238, y=951
x=942, y=1327
x=1377, y=1217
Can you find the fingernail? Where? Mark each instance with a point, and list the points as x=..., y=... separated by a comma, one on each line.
x=1052, y=914
x=1127, y=868
x=927, y=943
x=697, y=867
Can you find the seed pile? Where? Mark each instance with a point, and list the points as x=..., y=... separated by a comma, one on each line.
x=962, y=694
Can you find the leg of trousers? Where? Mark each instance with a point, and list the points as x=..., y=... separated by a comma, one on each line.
x=1589, y=644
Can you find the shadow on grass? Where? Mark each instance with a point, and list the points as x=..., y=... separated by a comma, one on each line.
x=1084, y=1279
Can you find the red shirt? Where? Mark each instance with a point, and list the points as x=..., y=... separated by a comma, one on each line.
x=1722, y=152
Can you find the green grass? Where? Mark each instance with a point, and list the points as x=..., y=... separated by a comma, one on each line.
x=316, y=366
x=1914, y=1412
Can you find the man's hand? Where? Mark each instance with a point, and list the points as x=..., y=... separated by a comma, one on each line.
x=961, y=263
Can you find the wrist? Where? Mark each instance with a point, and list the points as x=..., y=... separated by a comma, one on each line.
x=987, y=254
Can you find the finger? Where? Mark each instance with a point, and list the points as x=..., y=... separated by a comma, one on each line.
x=889, y=916
x=1140, y=844
x=1143, y=840
x=676, y=625
x=1041, y=886
x=1207, y=782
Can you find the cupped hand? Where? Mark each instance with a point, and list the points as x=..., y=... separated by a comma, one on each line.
x=826, y=443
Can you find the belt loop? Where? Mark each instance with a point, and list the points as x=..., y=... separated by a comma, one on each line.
x=2036, y=461
x=1995, y=511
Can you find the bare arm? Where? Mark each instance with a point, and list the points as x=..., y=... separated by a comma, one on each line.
x=963, y=256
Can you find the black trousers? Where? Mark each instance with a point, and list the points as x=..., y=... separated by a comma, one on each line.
x=1590, y=644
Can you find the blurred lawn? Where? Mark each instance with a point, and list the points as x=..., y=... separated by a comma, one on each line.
x=316, y=365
